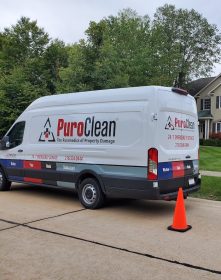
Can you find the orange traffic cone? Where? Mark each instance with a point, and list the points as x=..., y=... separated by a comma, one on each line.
x=179, y=218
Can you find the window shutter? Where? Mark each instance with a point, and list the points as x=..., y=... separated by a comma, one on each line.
x=201, y=106
x=217, y=102
x=214, y=127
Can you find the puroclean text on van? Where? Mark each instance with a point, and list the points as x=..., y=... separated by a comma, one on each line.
x=89, y=127
x=184, y=123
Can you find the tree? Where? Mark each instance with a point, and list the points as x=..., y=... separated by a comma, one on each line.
x=117, y=49
x=23, y=41
x=129, y=36
x=55, y=57
x=75, y=77
x=184, y=44
x=29, y=68
x=130, y=50
x=16, y=93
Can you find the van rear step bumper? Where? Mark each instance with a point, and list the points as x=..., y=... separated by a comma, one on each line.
x=173, y=196
x=143, y=189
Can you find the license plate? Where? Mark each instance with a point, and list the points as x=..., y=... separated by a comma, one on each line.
x=191, y=181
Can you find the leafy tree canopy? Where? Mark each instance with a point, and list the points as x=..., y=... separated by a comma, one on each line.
x=125, y=50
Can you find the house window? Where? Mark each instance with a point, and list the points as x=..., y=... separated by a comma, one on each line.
x=218, y=127
x=218, y=102
x=205, y=104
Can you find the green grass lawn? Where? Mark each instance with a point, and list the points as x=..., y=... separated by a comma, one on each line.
x=210, y=188
x=210, y=158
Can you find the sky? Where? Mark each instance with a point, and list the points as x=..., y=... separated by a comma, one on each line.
x=67, y=20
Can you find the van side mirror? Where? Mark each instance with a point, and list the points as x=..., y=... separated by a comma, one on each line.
x=4, y=143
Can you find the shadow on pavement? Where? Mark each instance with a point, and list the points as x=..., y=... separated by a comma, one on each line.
x=153, y=207
x=53, y=193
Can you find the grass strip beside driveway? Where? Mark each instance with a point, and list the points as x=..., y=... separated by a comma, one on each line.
x=210, y=158
x=210, y=188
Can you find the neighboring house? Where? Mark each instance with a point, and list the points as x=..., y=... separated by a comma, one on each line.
x=207, y=92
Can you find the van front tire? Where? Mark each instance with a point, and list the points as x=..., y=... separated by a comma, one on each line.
x=5, y=185
x=90, y=194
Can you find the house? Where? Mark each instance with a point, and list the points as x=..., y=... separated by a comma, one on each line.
x=207, y=92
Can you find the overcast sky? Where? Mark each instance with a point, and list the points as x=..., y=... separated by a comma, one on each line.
x=68, y=19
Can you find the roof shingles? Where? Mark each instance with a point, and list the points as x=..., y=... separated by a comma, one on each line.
x=195, y=86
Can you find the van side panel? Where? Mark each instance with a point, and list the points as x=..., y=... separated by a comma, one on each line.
x=113, y=133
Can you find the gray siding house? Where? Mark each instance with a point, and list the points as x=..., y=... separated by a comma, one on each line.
x=207, y=92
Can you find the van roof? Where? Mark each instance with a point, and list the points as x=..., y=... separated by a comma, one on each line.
x=98, y=96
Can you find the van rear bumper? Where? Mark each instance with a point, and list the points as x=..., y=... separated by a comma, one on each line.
x=143, y=189
x=173, y=195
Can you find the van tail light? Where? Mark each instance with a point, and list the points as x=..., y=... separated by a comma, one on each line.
x=152, y=164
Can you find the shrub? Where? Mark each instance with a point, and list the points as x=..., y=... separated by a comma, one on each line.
x=211, y=142
x=215, y=135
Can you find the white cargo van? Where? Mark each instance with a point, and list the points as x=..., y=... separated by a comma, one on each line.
x=132, y=142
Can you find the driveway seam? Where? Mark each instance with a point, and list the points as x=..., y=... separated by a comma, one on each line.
x=118, y=248
x=38, y=220
x=9, y=228
x=56, y=216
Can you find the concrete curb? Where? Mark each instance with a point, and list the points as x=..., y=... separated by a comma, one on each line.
x=210, y=173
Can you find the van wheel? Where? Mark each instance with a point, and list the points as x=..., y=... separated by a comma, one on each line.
x=5, y=185
x=90, y=194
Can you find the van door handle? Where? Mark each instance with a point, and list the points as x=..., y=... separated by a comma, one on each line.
x=20, y=151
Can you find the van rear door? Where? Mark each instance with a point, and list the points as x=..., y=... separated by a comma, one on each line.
x=177, y=134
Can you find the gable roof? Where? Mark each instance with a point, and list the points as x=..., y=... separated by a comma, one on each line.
x=196, y=86
x=217, y=77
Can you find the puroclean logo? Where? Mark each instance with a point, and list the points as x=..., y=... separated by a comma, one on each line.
x=179, y=124
x=47, y=135
x=88, y=130
x=169, y=124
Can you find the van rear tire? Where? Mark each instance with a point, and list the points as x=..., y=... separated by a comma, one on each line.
x=5, y=185
x=90, y=194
